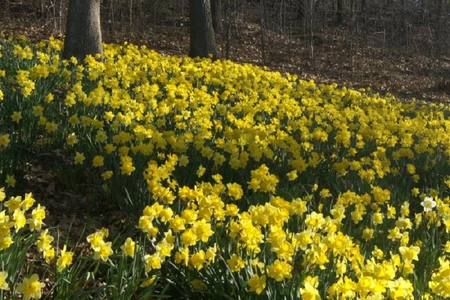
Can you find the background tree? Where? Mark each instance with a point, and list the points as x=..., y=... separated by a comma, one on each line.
x=216, y=14
x=83, y=30
x=202, y=42
x=339, y=13
x=438, y=26
x=262, y=22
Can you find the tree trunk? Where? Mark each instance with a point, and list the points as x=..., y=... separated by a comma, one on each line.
x=216, y=14
x=262, y=21
x=282, y=16
x=83, y=32
x=353, y=17
x=422, y=4
x=202, y=42
x=301, y=10
x=310, y=28
x=438, y=27
x=339, y=13
x=363, y=11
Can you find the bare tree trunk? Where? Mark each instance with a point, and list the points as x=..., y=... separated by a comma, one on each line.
x=227, y=12
x=438, y=26
x=216, y=14
x=301, y=10
x=404, y=25
x=112, y=19
x=282, y=16
x=363, y=11
x=5, y=11
x=83, y=32
x=422, y=4
x=339, y=12
x=57, y=15
x=262, y=20
x=202, y=42
x=354, y=24
x=310, y=28
x=130, y=17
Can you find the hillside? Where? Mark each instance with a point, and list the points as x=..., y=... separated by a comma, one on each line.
x=147, y=176
x=339, y=59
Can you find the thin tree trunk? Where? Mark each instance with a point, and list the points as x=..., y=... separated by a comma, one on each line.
x=262, y=19
x=282, y=16
x=301, y=10
x=339, y=13
x=438, y=26
x=363, y=11
x=83, y=32
x=216, y=14
x=310, y=26
x=353, y=18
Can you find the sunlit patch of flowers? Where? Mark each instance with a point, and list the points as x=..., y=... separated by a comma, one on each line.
x=245, y=183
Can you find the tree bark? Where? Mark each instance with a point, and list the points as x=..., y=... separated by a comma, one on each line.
x=438, y=27
x=83, y=31
x=301, y=10
x=310, y=28
x=202, y=41
x=262, y=20
x=339, y=13
x=216, y=14
x=363, y=11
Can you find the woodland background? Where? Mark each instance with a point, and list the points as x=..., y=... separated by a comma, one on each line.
x=395, y=46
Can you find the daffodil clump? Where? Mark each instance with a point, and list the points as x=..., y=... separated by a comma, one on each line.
x=248, y=184
x=20, y=221
x=35, y=263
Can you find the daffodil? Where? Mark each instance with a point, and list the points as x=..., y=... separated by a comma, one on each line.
x=177, y=223
x=3, y=283
x=197, y=260
x=4, y=140
x=64, y=260
x=98, y=161
x=428, y=204
x=44, y=242
x=188, y=237
x=309, y=290
x=2, y=194
x=152, y=262
x=104, y=251
x=79, y=158
x=27, y=202
x=10, y=180
x=37, y=217
x=409, y=253
x=13, y=203
x=31, y=287
x=49, y=98
x=38, y=110
x=19, y=219
x=129, y=247
x=257, y=284
x=280, y=270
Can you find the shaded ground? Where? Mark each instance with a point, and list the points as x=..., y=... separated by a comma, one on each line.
x=340, y=60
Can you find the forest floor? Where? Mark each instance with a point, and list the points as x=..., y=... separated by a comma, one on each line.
x=338, y=57
x=346, y=62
